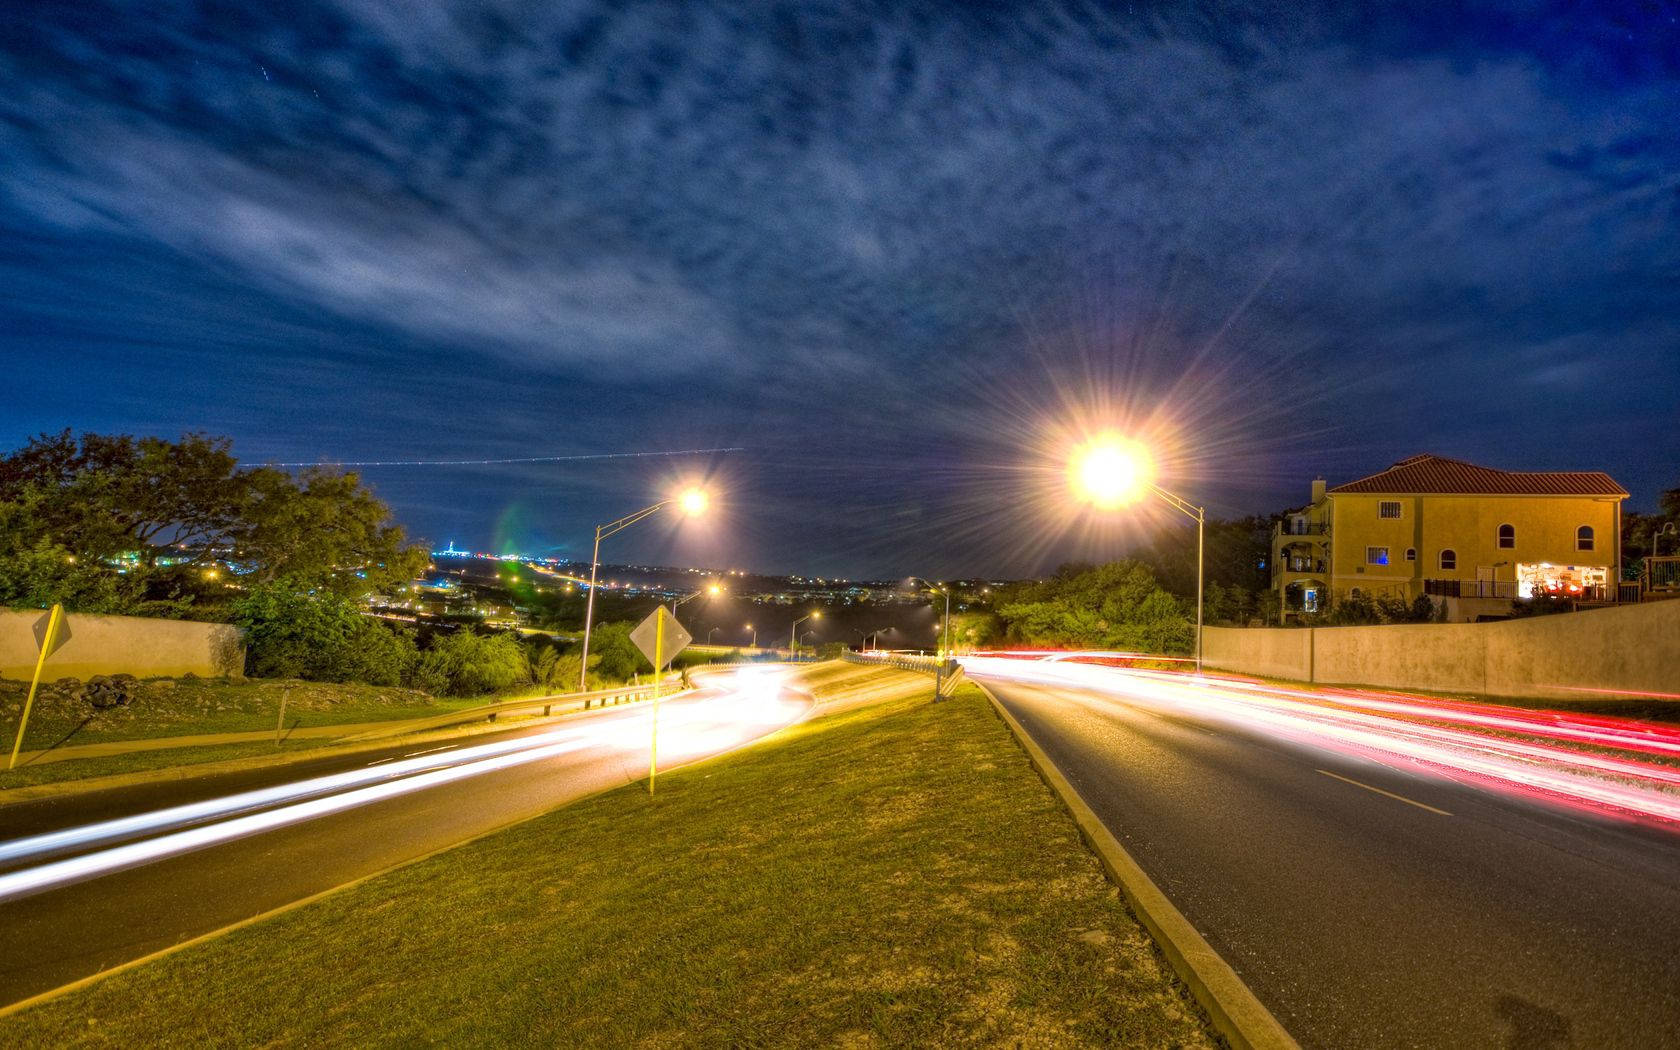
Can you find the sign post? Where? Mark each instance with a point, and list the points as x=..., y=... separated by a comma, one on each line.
x=660, y=638
x=51, y=631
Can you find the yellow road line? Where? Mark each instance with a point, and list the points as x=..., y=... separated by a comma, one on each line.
x=1390, y=794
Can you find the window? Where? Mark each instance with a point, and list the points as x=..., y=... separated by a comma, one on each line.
x=1411, y=554
x=1388, y=508
x=1449, y=559
x=1584, y=538
x=1376, y=555
x=1507, y=537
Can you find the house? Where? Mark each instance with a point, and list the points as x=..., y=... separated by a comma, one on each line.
x=1474, y=537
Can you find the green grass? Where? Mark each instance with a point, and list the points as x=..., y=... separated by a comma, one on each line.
x=192, y=706
x=891, y=875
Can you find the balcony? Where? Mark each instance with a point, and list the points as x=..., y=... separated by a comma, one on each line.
x=1301, y=528
x=1313, y=565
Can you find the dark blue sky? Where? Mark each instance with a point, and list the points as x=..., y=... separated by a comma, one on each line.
x=889, y=248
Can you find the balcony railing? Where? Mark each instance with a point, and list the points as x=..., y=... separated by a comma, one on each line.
x=1471, y=588
x=1302, y=528
x=1301, y=564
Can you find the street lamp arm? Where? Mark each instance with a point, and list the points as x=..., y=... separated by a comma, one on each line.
x=1180, y=504
x=603, y=531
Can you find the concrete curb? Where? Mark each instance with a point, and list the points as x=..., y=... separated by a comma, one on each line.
x=1237, y=1014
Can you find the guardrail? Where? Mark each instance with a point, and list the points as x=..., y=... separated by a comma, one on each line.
x=488, y=712
x=945, y=673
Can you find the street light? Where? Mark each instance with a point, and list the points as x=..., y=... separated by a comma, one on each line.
x=876, y=635
x=711, y=591
x=793, y=632
x=1111, y=471
x=935, y=589
x=709, y=634
x=754, y=631
x=691, y=501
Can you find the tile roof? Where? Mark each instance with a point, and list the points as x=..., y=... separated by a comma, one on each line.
x=1441, y=476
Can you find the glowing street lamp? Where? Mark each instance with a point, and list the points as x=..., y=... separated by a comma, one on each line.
x=690, y=502
x=754, y=631
x=711, y=590
x=934, y=590
x=1110, y=471
x=793, y=634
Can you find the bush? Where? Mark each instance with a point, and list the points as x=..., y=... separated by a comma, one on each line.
x=468, y=664
x=1114, y=606
x=613, y=655
x=291, y=633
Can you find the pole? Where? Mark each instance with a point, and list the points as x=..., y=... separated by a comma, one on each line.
x=1201, y=538
x=280, y=723
x=589, y=613
x=658, y=673
x=947, y=622
x=54, y=620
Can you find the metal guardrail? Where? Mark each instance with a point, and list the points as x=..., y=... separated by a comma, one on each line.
x=488, y=712
x=946, y=673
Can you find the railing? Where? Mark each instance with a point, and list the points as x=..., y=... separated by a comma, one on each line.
x=1303, y=565
x=488, y=712
x=902, y=661
x=1471, y=588
x=1663, y=574
x=1301, y=528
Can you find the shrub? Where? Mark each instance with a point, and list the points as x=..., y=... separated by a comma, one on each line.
x=291, y=633
x=468, y=664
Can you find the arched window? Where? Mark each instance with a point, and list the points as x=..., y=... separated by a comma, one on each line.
x=1584, y=538
x=1507, y=537
x=1449, y=558
x=1411, y=554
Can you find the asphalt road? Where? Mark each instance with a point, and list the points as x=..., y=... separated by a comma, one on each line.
x=1437, y=915
x=65, y=933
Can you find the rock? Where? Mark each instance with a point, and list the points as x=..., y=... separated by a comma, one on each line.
x=105, y=692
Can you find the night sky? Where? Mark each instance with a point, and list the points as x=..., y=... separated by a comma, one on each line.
x=898, y=252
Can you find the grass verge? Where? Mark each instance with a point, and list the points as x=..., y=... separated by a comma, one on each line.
x=893, y=874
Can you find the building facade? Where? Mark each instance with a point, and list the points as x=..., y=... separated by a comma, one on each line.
x=1474, y=537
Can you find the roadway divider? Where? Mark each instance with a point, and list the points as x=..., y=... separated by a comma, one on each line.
x=946, y=673
x=546, y=704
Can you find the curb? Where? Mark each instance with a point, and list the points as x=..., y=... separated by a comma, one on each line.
x=1237, y=1013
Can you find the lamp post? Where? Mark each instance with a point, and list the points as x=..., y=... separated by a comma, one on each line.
x=937, y=589
x=692, y=502
x=709, y=634
x=793, y=632
x=754, y=631
x=876, y=636
x=1110, y=471
x=711, y=590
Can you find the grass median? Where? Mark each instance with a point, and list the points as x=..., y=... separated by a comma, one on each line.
x=890, y=874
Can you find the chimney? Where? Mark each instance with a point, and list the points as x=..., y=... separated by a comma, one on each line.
x=1318, y=490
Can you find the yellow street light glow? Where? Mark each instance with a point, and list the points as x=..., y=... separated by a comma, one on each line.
x=1110, y=471
x=693, y=501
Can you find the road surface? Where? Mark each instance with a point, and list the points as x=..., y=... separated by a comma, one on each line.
x=1367, y=902
x=387, y=807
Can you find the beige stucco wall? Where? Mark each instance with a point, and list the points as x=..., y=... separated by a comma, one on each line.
x=1574, y=656
x=1272, y=652
x=133, y=645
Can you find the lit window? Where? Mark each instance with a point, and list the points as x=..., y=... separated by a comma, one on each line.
x=1388, y=508
x=1411, y=554
x=1449, y=559
x=1507, y=537
x=1584, y=538
x=1376, y=555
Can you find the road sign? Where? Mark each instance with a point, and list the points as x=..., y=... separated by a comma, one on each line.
x=648, y=640
x=51, y=619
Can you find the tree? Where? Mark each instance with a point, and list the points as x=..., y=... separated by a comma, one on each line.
x=1114, y=606
x=152, y=516
x=291, y=633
